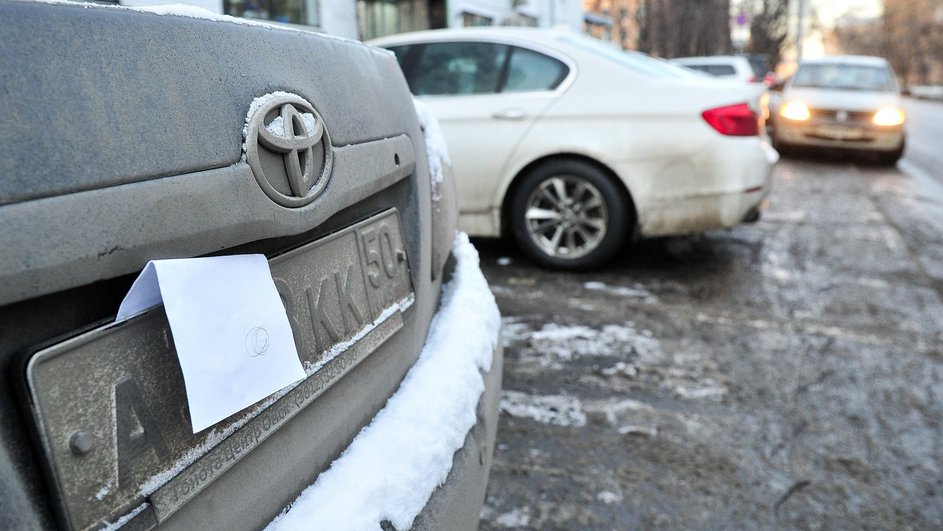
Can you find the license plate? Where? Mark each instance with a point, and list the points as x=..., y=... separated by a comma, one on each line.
x=111, y=408
x=839, y=132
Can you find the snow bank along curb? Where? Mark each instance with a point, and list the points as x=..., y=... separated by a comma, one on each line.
x=927, y=92
x=392, y=467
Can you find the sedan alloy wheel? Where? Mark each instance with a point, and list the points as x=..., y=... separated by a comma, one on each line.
x=568, y=214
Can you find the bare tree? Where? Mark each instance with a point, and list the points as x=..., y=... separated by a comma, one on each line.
x=676, y=28
x=862, y=37
x=909, y=35
x=769, y=26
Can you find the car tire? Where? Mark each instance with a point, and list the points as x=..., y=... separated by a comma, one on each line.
x=890, y=158
x=781, y=147
x=569, y=214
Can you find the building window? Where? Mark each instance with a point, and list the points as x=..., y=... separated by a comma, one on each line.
x=526, y=20
x=471, y=19
x=386, y=17
x=292, y=11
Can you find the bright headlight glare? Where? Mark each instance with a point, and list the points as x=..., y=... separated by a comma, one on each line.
x=888, y=116
x=795, y=110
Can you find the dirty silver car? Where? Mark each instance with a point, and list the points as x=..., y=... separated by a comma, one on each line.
x=130, y=136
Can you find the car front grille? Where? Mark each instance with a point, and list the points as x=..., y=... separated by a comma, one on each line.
x=841, y=116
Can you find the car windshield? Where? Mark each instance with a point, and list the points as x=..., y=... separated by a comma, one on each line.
x=637, y=61
x=836, y=76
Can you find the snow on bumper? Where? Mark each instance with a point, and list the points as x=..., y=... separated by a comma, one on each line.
x=393, y=466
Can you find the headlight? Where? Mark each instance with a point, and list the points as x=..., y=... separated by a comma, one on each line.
x=889, y=116
x=795, y=110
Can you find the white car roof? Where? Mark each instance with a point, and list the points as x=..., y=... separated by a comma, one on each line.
x=538, y=35
x=711, y=60
x=566, y=45
x=861, y=60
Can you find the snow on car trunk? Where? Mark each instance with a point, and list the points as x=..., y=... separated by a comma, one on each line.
x=392, y=467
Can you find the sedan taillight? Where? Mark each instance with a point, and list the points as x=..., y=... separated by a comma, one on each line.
x=733, y=120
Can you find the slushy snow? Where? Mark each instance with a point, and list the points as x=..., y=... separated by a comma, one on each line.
x=560, y=410
x=392, y=467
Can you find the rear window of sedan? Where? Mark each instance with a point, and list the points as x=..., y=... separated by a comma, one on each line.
x=637, y=61
x=715, y=70
x=464, y=68
x=839, y=76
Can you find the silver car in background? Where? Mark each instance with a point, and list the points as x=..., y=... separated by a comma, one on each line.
x=842, y=102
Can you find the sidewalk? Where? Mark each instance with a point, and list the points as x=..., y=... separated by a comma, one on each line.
x=927, y=92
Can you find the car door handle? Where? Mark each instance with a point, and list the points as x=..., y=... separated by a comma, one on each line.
x=510, y=114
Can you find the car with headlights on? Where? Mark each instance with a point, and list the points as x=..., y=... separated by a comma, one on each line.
x=572, y=146
x=181, y=137
x=843, y=103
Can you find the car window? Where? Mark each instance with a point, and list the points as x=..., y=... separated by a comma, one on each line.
x=529, y=70
x=715, y=70
x=698, y=69
x=402, y=52
x=844, y=77
x=758, y=64
x=458, y=68
x=637, y=61
x=722, y=70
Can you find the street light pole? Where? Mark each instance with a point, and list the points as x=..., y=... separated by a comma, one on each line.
x=800, y=30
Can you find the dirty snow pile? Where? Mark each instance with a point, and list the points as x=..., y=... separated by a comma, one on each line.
x=393, y=466
x=555, y=409
x=558, y=343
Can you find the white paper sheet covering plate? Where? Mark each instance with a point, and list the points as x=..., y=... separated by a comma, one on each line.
x=229, y=327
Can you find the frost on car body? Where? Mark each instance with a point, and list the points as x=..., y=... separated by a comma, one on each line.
x=199, y=136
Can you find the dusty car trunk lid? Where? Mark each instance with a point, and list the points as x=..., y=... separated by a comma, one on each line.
x=128, y=145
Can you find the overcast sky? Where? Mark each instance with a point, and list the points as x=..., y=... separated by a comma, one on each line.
x=829, y=10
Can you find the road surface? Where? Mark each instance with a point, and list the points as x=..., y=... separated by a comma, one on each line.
x=785, y=374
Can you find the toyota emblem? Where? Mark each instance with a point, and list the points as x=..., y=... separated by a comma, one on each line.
x=288, y=148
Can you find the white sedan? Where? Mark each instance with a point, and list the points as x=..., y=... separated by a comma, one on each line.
x=572, y=146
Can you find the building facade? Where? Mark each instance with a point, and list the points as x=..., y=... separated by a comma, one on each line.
x=367, y=19
x=614, y=21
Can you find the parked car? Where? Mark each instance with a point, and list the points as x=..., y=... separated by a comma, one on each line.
x=570, y=145
x=843, y=102
x=131, y=136
x=740, y=67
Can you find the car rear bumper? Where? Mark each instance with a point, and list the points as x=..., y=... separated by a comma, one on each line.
x=456, y=504
x=422, y=461
x=839, y=136
x=735, y=181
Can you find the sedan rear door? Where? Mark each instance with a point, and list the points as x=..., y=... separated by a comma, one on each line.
x=486, y=96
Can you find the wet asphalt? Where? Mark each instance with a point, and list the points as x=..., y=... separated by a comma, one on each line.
x=782, y=374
